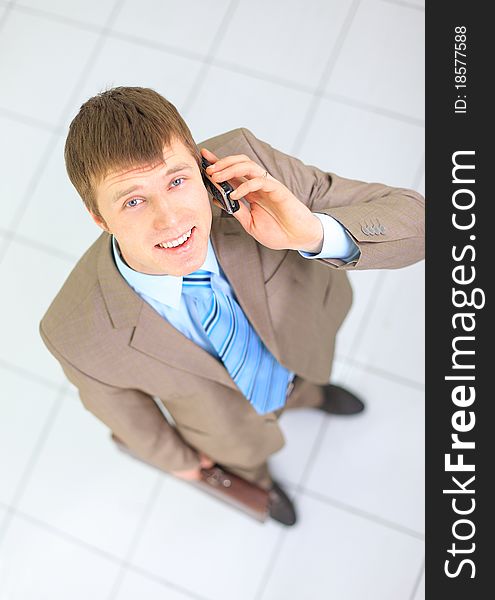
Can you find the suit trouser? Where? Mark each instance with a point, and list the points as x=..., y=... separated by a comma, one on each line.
x=304, y=394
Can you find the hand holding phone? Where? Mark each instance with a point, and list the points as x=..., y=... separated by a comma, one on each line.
x=219, y=190
x=268, y=210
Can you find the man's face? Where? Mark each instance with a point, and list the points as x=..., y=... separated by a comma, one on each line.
x=156, y=206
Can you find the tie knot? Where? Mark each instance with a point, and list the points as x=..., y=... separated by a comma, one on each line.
x=198, y=278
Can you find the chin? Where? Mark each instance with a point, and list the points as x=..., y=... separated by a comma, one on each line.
x=188, y=267
x=185, y=261
x=193, y=266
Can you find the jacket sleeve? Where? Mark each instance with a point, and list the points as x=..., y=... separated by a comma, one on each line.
x=133, y=417
x=386, y=223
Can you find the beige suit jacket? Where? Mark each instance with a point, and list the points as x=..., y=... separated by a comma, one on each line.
x=120, y=353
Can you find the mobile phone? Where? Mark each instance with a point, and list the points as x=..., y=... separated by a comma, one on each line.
x=219, y=190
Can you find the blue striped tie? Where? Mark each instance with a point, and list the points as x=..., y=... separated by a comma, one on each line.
x=255, y=371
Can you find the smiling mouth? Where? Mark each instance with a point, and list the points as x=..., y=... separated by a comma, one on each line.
x=178, y=242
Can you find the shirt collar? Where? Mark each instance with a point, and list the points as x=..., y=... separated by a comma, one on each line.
x=166, y=289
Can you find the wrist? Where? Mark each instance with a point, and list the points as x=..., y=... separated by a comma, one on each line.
x=315, y=237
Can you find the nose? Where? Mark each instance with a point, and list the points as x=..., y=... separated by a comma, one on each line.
x=165, y=215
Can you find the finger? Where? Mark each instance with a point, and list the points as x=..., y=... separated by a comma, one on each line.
x=234, y=181
x=188, y=475
x=248, y=169
x=206, y=462
x=210, y=157
x=226, y=161
x=253, y=185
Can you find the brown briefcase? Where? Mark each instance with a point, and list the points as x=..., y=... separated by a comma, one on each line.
x=235, y=490
x=232, y=489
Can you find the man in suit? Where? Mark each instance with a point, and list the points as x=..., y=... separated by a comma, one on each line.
x=227, y=320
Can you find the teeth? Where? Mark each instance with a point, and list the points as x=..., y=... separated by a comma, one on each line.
x=177, y=242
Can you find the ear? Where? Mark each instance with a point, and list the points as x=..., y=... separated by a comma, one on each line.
x=100, y=222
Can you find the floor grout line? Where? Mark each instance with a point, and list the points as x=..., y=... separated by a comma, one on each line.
x=306, y=471
x=11, y=115
x=29, y=374
x=363, y=322
x=352, y=362
x=297, y=490
x=373, y=108
x=65, y=112
x=68, y=537
x=24, y=240
x=349, y=508
x=327, y=73
x=154, y=45
x=56, y=17
x=207, y=60
x=418, y=580
x=300, y=488
x=167, y=583
x=317, y=93
x=31, y=463
x=262, y=76
x=8, y=9
x=33, y=182
x=137, y=535
x=272, y=561
x=60, y=533
x=6, y=243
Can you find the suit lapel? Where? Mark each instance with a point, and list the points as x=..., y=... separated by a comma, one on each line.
x=157, y=338
x=151, y=334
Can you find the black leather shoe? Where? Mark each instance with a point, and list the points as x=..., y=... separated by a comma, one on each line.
x=281, y=508
x=338, y=401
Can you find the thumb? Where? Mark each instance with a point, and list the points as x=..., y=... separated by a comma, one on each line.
x=210, y=157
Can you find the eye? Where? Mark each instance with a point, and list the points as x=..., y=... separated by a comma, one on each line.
x=178, y=179
x=133, y=202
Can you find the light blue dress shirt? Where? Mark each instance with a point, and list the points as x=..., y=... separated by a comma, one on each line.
x=164, y=292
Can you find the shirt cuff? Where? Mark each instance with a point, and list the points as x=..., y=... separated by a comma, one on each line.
x=337, y=243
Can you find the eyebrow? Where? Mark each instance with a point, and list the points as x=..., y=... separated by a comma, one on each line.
x=175, y=169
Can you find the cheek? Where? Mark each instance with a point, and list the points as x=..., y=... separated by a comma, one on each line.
x=205, y=207
x=132, y=232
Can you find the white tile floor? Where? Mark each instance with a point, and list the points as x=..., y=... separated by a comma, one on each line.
x=338, y=83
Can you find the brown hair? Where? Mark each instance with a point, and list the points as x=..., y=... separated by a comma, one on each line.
x=120, y=128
